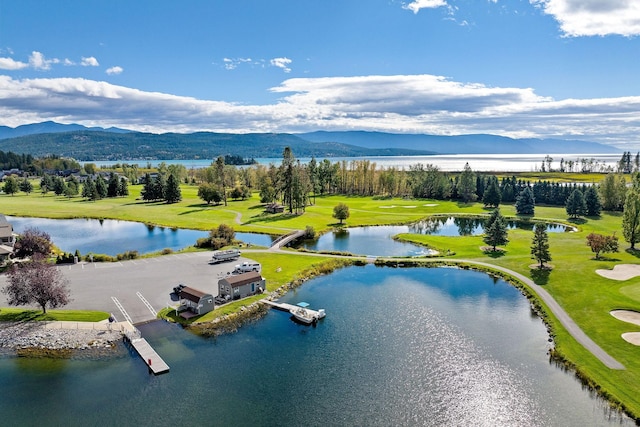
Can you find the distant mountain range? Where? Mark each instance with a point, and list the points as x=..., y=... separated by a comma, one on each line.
x=93, y=144
x=462, y=144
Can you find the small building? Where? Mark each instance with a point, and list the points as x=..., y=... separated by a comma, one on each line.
x=274, y=208
x=7, y=237
x=194, y=302
x=241, y=285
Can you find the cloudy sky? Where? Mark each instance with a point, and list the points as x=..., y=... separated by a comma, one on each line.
x=519, y=68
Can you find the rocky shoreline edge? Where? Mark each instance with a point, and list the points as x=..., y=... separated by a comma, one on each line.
x=35, y=339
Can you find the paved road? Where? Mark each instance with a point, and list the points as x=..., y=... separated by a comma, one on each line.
x=94, y=284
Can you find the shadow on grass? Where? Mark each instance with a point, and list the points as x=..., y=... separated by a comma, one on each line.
x=605, y=258
x=192, y=211
x=497, y=253
x=23, y=316
x=264, y=217
x=577, y=221
x=540, y=276
x=633, y=252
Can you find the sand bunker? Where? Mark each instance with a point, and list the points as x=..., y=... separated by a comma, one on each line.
x=627, y=316
x=632, y=337
x=621, y=272
x=388, y=207
x=632, y=317
x=409, y=207
x=430, y=204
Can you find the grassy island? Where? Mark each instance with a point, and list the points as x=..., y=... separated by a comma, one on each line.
x=573, y=282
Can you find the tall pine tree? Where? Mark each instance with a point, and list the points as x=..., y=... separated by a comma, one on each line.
x=540, y=245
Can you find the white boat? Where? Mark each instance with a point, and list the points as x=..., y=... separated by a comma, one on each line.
x=305, y=315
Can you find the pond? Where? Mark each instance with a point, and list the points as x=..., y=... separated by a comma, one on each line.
x=377, y=240
x=414, y=346
x=112, y=237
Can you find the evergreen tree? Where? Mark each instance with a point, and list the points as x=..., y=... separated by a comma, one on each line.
x=123, y=187
x=71, y=189
x=631, y=214
x=112, y=186
x=46, y=184
x=89, y=189
x=540, y=245
x=26, y=186
x=467, y=185
x=59, y=186
x=101, y=187
x=147, y=189
x=158, y=187
x=576, y=205
x=10, y=186
x=495, y=230
x=172, y=193
x=492, y=196
x=286, y=171
x=525, y=203
x=592, y=200
x=220, y=175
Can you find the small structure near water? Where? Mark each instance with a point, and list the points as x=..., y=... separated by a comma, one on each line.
x=241, y=285
x=194, y=302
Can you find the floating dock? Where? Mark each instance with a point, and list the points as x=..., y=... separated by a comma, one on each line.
x=283, y=306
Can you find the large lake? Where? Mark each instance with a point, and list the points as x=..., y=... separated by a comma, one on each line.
x=399, y=347
x=451, y=162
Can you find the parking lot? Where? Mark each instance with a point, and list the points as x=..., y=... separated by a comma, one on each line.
x=136, y=283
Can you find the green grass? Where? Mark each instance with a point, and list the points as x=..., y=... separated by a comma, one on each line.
x=23, y=315
x=586, y=296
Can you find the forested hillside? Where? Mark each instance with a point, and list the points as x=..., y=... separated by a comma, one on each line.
x=98, y=145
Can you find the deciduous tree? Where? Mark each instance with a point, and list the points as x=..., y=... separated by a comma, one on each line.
x=341, y=212
x=33, y=241
x=39, y=282
x=602, y=244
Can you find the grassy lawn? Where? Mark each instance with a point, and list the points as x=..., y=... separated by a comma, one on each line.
x=23, y=315
x=586, y=296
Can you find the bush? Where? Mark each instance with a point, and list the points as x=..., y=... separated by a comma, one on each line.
x=203, y=242
x=127, y=255
x=167, y=251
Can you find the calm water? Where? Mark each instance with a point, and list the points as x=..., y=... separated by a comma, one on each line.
x=451, y=162
x=113, y=237
x=418, y=347
x=377, y=240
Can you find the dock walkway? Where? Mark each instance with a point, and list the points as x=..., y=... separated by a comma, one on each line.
x=283, y=306
x=144, y=349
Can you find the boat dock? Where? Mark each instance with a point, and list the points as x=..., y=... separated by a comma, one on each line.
x=144, y=349
x=283, y=306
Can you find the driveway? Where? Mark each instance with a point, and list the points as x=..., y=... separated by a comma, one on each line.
x=95, y=285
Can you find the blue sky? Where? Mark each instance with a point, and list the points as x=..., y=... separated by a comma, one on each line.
x=519, y=68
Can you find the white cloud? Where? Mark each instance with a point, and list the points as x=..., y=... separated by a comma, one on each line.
x=67, y=62
x=416, y=5
x=232, y=63
x=401, y=103
x=594, y=17
x=89, y=62
x=282, y=63
x=114, y=70
x=11, y=64
x=39, y=62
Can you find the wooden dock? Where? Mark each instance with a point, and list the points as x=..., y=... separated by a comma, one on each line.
x=144, y=349
x=150, y=357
